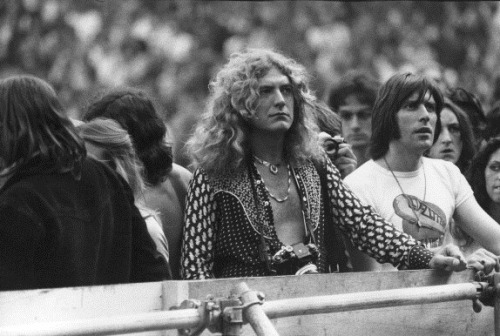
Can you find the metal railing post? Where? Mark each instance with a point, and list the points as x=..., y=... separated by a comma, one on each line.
x=496, y=291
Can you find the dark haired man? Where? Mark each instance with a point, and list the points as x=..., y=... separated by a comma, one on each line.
x=419, y=195
x=353, y=98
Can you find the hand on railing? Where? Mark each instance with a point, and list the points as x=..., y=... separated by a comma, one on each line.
x=483, y=260
x=448, y=258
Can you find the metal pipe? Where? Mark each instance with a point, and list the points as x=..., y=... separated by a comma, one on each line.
x=175, y=319
x=370, y=300
x=189, y=318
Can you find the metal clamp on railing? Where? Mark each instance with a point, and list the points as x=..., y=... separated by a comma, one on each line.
x=486, y=291
x=227, y=315
x=232, y=320
x=218, y=315
x=209, y=311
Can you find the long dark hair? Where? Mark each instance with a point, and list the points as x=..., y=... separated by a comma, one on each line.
x=136, y=113
x=390, y=99
x=467, y=136
x=475, y=176
x=35, y=134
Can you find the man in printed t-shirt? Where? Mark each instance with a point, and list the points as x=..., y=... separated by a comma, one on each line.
x=418, y=195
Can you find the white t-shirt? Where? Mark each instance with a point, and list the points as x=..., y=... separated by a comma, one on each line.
x=428, y=196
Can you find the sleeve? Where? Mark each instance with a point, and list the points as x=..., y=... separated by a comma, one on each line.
x=20, y=236
x=147, y=263
x=368, y=231
x=463, y=190
x=155, y=230
x=198, y=244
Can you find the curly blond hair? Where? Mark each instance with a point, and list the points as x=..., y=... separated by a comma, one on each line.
x=220, y=141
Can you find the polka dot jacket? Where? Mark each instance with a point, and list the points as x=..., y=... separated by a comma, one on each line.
x=225, y=223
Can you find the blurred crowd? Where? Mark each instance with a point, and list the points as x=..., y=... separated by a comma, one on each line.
x=171, y=49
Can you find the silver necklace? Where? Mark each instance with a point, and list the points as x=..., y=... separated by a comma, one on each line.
x=277, y=199
x=273, y=168
x=417, y=217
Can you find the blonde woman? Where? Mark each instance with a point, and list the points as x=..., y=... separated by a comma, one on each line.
x=108, y=142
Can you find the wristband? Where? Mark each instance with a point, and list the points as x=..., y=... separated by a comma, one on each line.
x=419, y=257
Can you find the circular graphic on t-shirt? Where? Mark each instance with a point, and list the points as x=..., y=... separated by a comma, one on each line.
x=422, y=220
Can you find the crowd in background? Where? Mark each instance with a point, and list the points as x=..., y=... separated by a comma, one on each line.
x=127, y=71
x=172, y=48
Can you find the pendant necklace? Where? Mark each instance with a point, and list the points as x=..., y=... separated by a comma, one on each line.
x=277, y=199
x=273, y=168
x=417, y=216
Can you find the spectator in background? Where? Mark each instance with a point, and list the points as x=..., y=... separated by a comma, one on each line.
x=484, y=178
x=111, y=144
x=263, y=187
x=167, y=182
x=66, y=220
x=353, y=98
x=471, y=104
x=330, y=127
x=455, y=142
x=419, y=195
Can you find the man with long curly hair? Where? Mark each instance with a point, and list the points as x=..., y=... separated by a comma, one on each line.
x=264, y=198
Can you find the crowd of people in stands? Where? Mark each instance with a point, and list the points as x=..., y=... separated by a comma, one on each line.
x=378, y=172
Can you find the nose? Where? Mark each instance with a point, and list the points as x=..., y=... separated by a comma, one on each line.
x=445, y=136
x=354, y=122
x=279, y=99
x=424, y=114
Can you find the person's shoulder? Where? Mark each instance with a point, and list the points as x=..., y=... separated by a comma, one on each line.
x=180, y=173
x=365, y=169
x=94, y=169
x=442, y=165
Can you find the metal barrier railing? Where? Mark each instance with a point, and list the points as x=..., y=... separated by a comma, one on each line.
x=227, y=315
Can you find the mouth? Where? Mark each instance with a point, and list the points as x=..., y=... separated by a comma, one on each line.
x=424, y=130
x=447, y=151
x=280, y=114
x=358, y=136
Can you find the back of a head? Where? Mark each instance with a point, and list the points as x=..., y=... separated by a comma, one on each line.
x=135, y=112
x=355, y=82
x=390, y=99
x=116, y=149
x=35, y=134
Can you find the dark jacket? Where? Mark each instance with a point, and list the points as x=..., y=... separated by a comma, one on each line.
x=60, y=231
